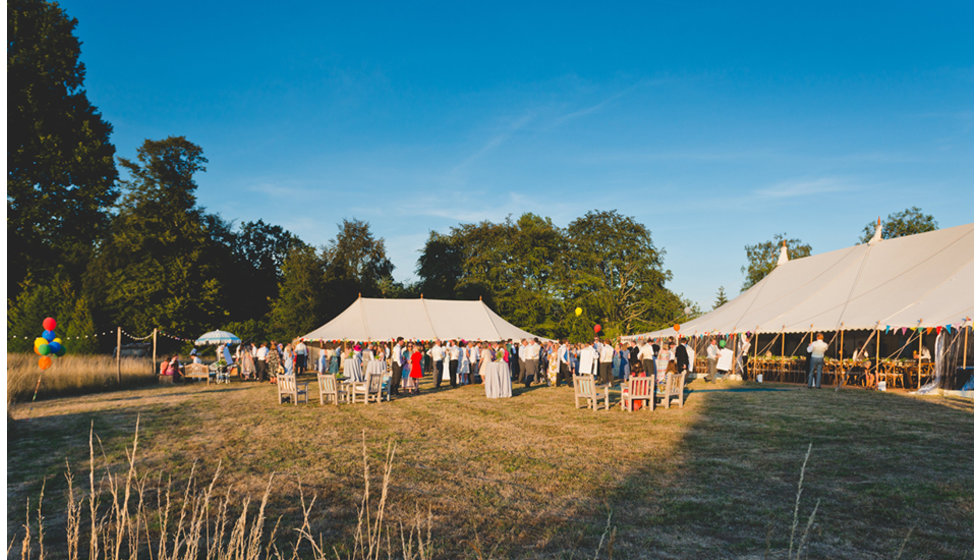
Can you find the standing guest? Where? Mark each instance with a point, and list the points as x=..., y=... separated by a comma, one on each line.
x=322, y=362
x=817, y=348
x=397, y=360
x=523, y=366
x=605, y=362
x=664, y=356
x=260, y=362
x=512, y=353
x=681, y=357
x=463, y=370
x=438, y=354
x=648, y=358
x=554, y=366
x=273, y=362
x=289, y=359
x=486, y=358
x=452, y=359
x=564, y=371
x=587, y=360
x=634, y=358
x=474, y=359
x=620, y=362
x=532, y=362
x=712, y=360
x=416, y=372
x=247, y=364
x=301, y=352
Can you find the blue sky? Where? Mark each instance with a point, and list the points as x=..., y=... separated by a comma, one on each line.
x=715, y=125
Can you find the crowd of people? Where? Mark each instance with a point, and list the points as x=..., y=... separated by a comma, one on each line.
x=458, y=362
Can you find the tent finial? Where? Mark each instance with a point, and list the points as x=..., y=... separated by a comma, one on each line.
x=481, y=298
x=783, y=255
x=358, y=295
x=421, y=296
x=877, y=236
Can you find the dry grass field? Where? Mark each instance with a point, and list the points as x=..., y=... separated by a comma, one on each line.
x=72, y=375
x=531, y=477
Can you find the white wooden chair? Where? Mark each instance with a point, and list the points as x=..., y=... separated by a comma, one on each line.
x=330, y=390
x=638, y=389
x=289, y=389
x=673, y=389
x=369, y=389
x=585, y=389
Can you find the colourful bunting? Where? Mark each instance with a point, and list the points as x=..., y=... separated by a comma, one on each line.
x=903, y=330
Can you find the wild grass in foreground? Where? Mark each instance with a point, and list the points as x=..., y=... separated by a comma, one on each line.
x=127, y=514
x=530, y=477
x=72, y=375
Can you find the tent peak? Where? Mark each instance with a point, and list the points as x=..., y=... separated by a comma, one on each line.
x=877, y=236
x=783, y=255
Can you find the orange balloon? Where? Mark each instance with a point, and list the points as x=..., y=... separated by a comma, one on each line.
x=44, y=362
x=677, y=327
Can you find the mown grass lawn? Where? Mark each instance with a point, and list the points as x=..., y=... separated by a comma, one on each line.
x=533, y=477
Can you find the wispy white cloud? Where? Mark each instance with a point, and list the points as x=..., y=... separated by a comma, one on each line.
x=805, y=188
x=494, y=142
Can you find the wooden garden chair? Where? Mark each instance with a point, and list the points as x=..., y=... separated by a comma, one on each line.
x=330, y=390
x=637, y=389
x=585, y=389
x=369, y=389
x=289, y=389
x=673, y=389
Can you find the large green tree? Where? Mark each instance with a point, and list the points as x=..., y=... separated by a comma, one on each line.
x=616, y=275
x=302, y=296
x=762, y=257
x=356, y=263
x=260, y=250
x=907, y=222
x=61, y=178
x=165, y=262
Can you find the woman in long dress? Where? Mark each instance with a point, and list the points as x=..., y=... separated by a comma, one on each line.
x=486, y=359
x=663, y=358
x=463, y=372
x=416, y=374
x=248, y=365
x=553, y=366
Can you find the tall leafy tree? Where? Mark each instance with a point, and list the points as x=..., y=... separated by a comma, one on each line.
x=260, y=250
x=356, y=263
x=617, y=276
x=762, y=257
x=61, y=178
x=302, y=297
x=907, y=222
x=163, y=263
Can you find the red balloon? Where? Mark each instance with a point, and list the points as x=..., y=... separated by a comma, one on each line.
x=597, y=328
x=49, y=324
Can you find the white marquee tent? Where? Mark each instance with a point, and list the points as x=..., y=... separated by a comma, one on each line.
x=917, y=280
x=377, y=319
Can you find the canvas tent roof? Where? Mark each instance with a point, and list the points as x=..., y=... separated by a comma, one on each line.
x=916, y=280
x=377, y=319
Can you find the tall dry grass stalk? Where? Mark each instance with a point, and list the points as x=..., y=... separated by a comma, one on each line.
x=130, y=518
x=796, y=511
x=72, y=375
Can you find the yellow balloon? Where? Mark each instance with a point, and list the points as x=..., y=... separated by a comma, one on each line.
x=39, y=341
x=58, y=340
x=578, y=311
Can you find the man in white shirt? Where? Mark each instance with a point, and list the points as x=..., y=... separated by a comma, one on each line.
x=817, y=348
x=474, y=359
x=648, y=359
x=261, y=373
x=301, y=353
x=438, y=354
x=586, y=360
x=453, y=355
x=529, y=363
x=605, y=363
x=525, y=370
x=564, y=373
x=712, y=361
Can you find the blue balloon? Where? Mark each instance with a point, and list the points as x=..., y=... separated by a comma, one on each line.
x=48, y=335
x=56, y=348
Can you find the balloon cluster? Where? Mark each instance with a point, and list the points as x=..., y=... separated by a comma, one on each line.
x=48, y=344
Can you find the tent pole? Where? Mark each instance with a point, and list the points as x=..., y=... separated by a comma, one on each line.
x=755, y=347
x=966, y=339
x=877, y=352
x=918, y=373
x=782, y=350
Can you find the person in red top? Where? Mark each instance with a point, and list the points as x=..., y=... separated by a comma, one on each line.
x=416, y=372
